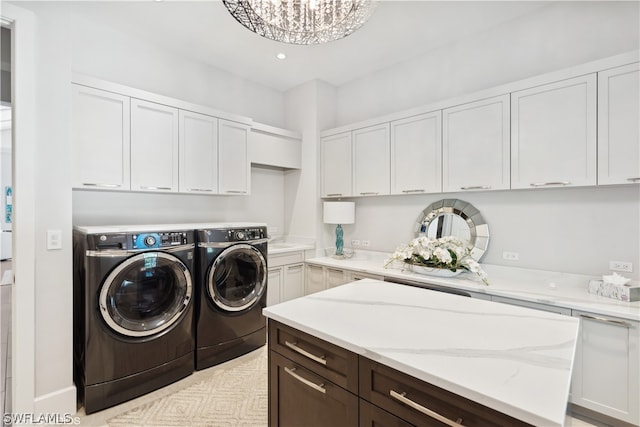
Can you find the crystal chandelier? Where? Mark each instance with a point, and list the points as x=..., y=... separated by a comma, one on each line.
x=301, y=21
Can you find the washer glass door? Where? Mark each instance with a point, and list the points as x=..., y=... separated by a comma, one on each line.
x=145, y=294
x=238, y=277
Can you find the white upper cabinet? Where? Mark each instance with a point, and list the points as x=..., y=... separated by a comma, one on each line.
x=154, y=146
x=619, y=125
x=476, y=146
x=371, y=161
x=100, y=135
x=198, y=153
x=234, y=172
x=416, y=154
x=336, y=166
x=553, y=134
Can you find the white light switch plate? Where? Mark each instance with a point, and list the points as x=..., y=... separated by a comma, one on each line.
x=54, y=239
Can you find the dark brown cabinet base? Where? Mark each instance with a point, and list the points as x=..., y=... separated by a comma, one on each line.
x=313, y=383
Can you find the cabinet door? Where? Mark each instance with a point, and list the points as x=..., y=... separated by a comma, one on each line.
x=100, y=139
x=335, y=165
x=198, y=153
x=371, y=164
x=416, y=144
x=476, y=146
x=619, y=125
x=335, y=277
x=314, y=279
x=154, y=146
x=606, y=367
x=274, y=286
x=233, y=154
x=299, y=397
x=293, y=284
x=553, y=134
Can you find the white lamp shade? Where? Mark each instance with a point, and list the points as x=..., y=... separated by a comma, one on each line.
x=339, y=212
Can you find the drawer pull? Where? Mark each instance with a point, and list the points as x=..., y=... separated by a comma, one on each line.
x=154, y=188
x=334, y=194
x=200, y=189
x=236, y=191
x=413, y=191
x=369, y=193
x=544, y=184
x=477, y=187
x=294, y=346
x=633, y=179
x=91, y=184
x=402, y=398
x=313, y=385
x=602, y=319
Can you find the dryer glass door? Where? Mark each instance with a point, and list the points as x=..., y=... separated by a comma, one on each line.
x=146, y=294
x=237, y=278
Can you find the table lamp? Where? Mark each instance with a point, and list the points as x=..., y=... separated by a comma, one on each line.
x=339, y=213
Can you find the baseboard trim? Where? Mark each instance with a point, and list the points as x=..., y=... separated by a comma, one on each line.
x=61, y=401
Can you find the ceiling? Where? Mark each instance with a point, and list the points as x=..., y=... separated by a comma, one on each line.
x=397, y=31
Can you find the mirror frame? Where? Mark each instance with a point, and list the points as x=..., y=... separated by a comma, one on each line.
x=478, y=228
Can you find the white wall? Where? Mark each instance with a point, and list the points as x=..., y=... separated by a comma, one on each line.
x=102, y=52
x=553, y=37
x=573, y=230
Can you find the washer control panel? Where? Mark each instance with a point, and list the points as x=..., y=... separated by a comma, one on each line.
x=234, y=234
x=158, y=240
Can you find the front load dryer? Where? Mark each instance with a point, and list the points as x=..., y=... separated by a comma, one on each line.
x=133, y=311
x=232, y=280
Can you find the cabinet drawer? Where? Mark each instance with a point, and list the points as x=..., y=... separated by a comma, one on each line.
x=372, y=416
x=277, y=260
x=411, y=399
x=299, y=397
x=325, y=359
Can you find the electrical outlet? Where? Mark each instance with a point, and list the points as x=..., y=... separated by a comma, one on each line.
x=621, y=266
x=511, y=256
x=365, y=243
x=54, y=239
x=273, y=230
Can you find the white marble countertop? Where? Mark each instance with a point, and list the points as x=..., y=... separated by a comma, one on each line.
x=513, y=359
x=279, y=247
x=546, y=287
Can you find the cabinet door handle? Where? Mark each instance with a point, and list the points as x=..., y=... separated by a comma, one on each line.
x=633, y=179
x=294, y=346
x=154, y=188
x=477, y=187
x=413, y=191
x=334, y=194
x=402, y=398
x=611, y=321
x=544, y=184
x=369, y=193
x=200, y=189
x=305, y=381
x=91, y=184
x=235, y=191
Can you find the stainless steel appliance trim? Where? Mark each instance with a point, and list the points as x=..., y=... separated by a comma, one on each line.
x=110, y=253
x=104, y=291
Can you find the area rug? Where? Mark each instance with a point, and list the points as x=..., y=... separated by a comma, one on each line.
x=230, y=397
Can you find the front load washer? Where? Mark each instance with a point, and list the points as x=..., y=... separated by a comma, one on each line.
x=232, y=279
x=133, y=311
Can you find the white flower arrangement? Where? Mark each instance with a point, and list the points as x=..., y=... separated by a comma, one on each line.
x=447, y=252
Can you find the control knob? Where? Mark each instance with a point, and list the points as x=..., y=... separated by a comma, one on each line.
x=240, y=235
x=149, y=241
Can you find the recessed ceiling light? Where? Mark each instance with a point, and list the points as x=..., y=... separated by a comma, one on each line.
x=281, y=55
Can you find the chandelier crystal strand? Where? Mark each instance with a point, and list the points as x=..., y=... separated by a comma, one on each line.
x=302, y=21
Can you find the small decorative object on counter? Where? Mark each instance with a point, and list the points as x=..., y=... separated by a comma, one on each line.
x=445, y=257
x=615, y=286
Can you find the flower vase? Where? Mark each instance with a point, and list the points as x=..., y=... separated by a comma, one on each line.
x=437, y=272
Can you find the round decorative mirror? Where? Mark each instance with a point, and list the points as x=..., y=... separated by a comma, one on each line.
x=454, y=217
